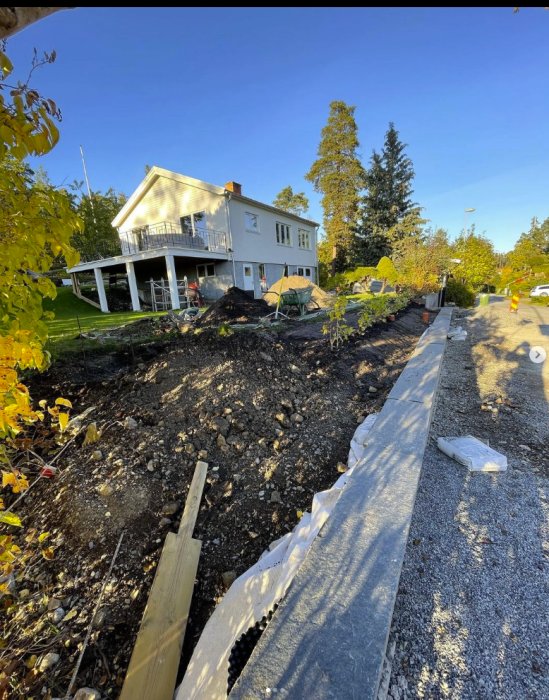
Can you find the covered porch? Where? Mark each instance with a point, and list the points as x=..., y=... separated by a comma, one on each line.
x=171, y=268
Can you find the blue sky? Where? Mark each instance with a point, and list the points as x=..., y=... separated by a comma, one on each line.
x=242, y=94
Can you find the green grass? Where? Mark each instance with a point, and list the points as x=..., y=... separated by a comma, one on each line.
x=70, y=312
x=363, y=296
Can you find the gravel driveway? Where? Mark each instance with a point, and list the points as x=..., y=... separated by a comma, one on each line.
x=471, y=618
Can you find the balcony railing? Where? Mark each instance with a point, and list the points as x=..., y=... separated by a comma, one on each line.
x=169, y=234
x=166, y=234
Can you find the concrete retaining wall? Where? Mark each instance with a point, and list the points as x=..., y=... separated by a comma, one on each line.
x=329, y=635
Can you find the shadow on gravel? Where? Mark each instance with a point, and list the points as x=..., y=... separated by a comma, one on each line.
x=471, y=614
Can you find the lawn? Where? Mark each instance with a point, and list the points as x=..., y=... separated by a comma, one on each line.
x=73, y=316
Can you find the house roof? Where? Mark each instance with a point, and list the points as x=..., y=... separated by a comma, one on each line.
x=155, y=172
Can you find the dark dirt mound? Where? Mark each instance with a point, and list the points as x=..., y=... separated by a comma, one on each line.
x=235, y=306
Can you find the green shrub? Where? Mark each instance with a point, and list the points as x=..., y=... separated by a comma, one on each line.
x=459, y=293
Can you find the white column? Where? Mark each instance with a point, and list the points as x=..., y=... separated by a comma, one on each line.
x=133, y=286
x=101, y=290
x=172, y=281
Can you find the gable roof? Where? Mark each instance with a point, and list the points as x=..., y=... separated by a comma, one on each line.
x=155, y=173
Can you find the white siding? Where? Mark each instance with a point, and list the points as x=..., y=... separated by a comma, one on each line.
x=168, y=200
x=262, y=247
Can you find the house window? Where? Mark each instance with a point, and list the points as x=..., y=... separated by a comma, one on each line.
x=252, y=222
x=193, y=224
x=205, y=270
x=283, y=234
x=304, y=272
x=304, y=238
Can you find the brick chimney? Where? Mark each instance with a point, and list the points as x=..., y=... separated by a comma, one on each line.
x=234, y=187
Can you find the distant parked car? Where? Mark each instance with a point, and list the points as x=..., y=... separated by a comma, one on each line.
x=542, y=290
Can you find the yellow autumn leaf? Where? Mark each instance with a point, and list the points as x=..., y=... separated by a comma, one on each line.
x=43, y=536
x=63, y=421
x=63, y=402
x=47, y=553
x=92, y=434
x=10, y=519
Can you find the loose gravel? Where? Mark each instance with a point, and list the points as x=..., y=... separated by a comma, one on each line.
x=471, y=618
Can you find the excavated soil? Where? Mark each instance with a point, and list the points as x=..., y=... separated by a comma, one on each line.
x=271, y=413
x=235, y=306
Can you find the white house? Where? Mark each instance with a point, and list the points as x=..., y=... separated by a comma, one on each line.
x=175, y=229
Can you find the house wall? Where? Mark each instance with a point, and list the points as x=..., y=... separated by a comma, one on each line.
x=168, y=200
x=262, y=247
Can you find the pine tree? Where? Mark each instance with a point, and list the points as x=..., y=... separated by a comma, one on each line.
x=338, y=174
x=388, y=200
x=293, y=202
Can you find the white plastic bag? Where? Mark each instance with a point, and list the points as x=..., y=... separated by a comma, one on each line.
x=473, y=453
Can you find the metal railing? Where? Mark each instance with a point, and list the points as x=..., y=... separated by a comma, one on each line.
x=169, y=234
x=165, y=234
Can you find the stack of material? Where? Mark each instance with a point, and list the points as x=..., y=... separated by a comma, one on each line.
x=235, y=306
x=322, y=298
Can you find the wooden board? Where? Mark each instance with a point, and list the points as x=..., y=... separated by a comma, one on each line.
x=155, y=659
x=152, y=672
x=192, y=504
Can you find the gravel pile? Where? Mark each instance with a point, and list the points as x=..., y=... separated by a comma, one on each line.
x=471, y=618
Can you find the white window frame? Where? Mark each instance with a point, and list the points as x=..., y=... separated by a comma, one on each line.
x=205, y=267
x=195, y=229
x=251, y=229
x=283, y=232
x=304, y=238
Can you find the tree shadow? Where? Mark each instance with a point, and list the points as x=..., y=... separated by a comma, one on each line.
x=471, y=618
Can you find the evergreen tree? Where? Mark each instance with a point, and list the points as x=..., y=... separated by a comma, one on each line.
x=338, y=174
x=295, y=203
x=388, y=200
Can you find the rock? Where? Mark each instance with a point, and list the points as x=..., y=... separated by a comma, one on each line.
x=221, y=442
x=105, y=490
x=220, y=425
x=87, y=694
x=275, y=497
x=294, y=369
x=53, y=604
x=297, y=418
x=150, y=466
x=100, y=617
x=189, y=448
x=202, y=454
x=264, y=356
x=261, y=494
x=372, y=390
x=228, y=577
x=170, y=508
x=57, y=615
x=212, y=478
x=164, y=522
x=286, y=403
x=47, y=661
x=342, y=468
x=97, y=455
x=129, y=423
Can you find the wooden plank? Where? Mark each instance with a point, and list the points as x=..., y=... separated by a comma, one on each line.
x=152, y=672
x=192, y=504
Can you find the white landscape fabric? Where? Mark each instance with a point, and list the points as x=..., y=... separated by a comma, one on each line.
x=259, y=589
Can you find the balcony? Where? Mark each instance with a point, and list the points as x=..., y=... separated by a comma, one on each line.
x=166, y=234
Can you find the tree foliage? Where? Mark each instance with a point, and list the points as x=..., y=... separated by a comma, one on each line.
x=36, y=227
x=338, y=174
x=421, y=260
x=97, y=236
x=388, y=201
x=387, y=272
x=478, y=260
x=293, y=202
